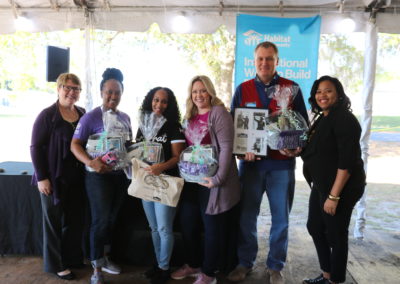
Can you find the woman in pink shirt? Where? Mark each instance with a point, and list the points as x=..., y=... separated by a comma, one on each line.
x=207, y=203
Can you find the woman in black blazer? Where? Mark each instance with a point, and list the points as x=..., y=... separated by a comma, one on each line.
x=334, y=170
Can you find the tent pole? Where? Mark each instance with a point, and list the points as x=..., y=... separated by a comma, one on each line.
x=371, y=44
x=88, y=69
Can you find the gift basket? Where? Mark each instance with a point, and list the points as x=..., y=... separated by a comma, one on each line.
x=110, y=144
x=286, y=128
x=197, y=161
x=148, y=151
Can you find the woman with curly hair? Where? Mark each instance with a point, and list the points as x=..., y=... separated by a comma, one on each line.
x=162, y=101
x=334, y=170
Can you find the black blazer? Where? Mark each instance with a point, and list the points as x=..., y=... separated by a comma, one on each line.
x=334, y=144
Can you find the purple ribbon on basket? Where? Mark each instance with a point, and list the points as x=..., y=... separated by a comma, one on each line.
x=193, y=168
x=291, y=139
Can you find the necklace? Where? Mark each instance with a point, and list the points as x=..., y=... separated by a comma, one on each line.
x=69, y=116
x=73, y=124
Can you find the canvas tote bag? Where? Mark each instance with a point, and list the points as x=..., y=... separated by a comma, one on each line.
x=163, y=188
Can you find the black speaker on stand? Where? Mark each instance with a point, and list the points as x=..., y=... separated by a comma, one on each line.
x=57, y=62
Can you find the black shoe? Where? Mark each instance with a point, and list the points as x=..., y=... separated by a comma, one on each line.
x=150, y=273
x=69, y=276
x=317, y=280
x=161, y=277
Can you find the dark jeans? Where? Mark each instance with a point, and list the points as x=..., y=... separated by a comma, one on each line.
x=330, y=233
x=106, y=193
x=63, y=227
x=193, y=206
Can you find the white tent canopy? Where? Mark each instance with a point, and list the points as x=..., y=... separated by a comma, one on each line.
x=206, y=15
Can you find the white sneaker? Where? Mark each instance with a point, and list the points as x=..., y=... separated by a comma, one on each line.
x=110, y=267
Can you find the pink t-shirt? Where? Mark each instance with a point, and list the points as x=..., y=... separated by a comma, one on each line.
x=197, y=122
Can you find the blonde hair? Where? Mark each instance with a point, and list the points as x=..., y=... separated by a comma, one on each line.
x=191, y=108
x=64, y=77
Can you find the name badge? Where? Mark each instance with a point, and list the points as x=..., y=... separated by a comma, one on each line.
x=251, y=104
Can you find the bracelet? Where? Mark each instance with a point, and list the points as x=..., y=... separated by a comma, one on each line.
x=334, y=198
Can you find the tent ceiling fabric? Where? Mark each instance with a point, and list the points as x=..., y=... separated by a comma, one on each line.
x=206, y=15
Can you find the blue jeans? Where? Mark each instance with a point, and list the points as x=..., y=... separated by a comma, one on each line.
x=279, y=187
x=106, y=193
x=161, y=220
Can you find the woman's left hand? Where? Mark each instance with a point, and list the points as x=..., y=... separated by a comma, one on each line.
x=330, y=206
x=154, y=169
x=208, y=182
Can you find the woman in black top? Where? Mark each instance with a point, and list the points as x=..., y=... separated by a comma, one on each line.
x=334, y=170
x=162, y=102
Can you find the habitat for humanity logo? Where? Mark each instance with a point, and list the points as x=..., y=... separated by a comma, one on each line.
x=252, y=37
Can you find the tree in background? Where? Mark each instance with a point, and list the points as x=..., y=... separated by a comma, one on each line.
x=22, y=57
x=210, y=54
x=214, y=53
x=18, y=59
x=389, y=50
x=342, y=59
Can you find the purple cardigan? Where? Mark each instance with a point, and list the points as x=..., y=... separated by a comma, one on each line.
x=50, y=146
x=226, y=192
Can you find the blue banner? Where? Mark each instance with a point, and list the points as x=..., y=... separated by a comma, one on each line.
x=297, y=40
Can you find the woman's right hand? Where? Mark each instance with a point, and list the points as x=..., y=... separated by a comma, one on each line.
x=99, y=166
x=44, y=187
x=249, y=157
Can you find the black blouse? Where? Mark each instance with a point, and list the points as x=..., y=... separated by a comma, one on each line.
x=334, y=144
x=170, y=132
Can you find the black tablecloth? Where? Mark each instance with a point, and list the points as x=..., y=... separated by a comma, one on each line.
x=20, y=211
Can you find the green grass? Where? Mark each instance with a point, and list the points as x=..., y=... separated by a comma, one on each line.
x=385, y=123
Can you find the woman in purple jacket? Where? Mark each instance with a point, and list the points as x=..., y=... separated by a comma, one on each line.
x=207, y=203
x=106, y=187
x=59, y=177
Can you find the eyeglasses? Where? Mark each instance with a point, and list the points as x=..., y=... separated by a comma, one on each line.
x=70, y=88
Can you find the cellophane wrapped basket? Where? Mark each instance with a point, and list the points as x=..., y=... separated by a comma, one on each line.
x=110, y=144
x=148, y=151
x=286, y=128
x=197, y=161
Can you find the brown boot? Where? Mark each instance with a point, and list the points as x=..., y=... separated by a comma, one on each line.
x=275, y=276
x=239, y=273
